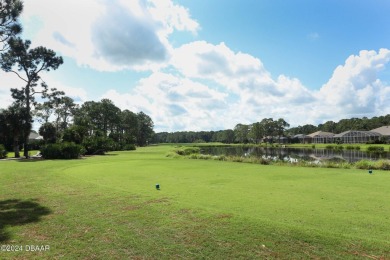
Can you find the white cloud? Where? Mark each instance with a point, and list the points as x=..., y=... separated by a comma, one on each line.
x=208, y=86
x=218, y=88
x=173, y=17
x=137, y=37
x=354, y=88
x=8, y=81
x=174, y=102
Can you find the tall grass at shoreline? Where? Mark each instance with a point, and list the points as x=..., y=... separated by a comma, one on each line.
x=194, y=153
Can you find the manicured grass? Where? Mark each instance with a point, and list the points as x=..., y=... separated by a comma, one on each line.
x=107, y=207
x=12, y=154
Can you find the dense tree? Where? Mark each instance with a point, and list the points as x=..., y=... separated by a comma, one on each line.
x=328, y=126
x=64, y=108
x=241, y=133
x=48, y=132
x=305, y=129
x=10, y=11
x=224, y=136
x=257, y=132
x=145, y=129
x=103, y=116
x=12, y=122
x=128, y=127
x=27, y=64
x=75, y=134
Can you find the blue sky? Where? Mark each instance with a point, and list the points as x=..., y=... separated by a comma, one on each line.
x=209, y=65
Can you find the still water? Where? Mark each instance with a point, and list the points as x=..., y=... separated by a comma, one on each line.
x=295, y=153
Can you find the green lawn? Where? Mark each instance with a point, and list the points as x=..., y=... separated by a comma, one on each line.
x=107, y=207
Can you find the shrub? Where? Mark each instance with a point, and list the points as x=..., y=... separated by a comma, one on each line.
x=172, y=155
x=62, y=151
x=188, y=150
x=129, y=147
x=364, y=164
x=382, y=165
x=375, y=149
x=99, y=145
x=3, y=152
x=330, y=147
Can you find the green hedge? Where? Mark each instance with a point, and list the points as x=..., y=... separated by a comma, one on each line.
x=375, y=149
x=129, y=147
x=62, y=151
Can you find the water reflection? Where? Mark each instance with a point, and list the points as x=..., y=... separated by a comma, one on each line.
x=295, y=154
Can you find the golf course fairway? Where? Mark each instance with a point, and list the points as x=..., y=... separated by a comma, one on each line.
x=107, y=207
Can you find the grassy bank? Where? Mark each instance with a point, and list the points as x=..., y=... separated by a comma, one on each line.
x=193, y=152
x=107, y=207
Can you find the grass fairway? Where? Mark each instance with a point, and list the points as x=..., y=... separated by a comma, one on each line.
x=106, y=207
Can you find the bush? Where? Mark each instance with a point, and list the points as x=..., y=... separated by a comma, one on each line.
x=62, y=151
x=3, y=152
x=188, y=150
x=364, y=164
x=375, y=149
x=382, y=165
x=99, y=145
x=129, y=147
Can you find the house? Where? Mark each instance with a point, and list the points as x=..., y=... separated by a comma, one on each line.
x=303, y=139
x=321, y=137
x=384, y=131
x=357, y=137
x=34, y=136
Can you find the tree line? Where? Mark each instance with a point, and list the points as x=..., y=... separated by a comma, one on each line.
x=359, y=124
x=242, y=133
x=270, y=130
x=93, y=126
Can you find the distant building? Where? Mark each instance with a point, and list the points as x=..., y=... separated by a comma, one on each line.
x=321, y=137
x=303, y=139
x=34, y=136
x=384, y=130
x=356, y=137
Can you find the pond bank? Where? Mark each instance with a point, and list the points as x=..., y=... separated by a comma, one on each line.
x=198, y=152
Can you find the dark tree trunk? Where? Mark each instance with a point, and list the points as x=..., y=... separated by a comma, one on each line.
x=16, y=147
x=27, y=128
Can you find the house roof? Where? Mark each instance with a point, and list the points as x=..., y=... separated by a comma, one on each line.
x=34, y=136
x=383, y=130
x=301, y=136
x=357, y=133
x=321, y=133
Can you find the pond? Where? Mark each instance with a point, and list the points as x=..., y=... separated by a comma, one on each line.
x=294, y=154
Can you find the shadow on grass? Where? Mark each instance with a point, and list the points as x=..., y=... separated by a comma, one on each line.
x=15, y=212
x=30, y=160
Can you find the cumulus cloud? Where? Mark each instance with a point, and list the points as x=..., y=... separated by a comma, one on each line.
x=199, y=85
x=137, y=37
x=204, y=60
x=174, y=102
x=218, y=88
x=10, y=80
x=354, y=88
